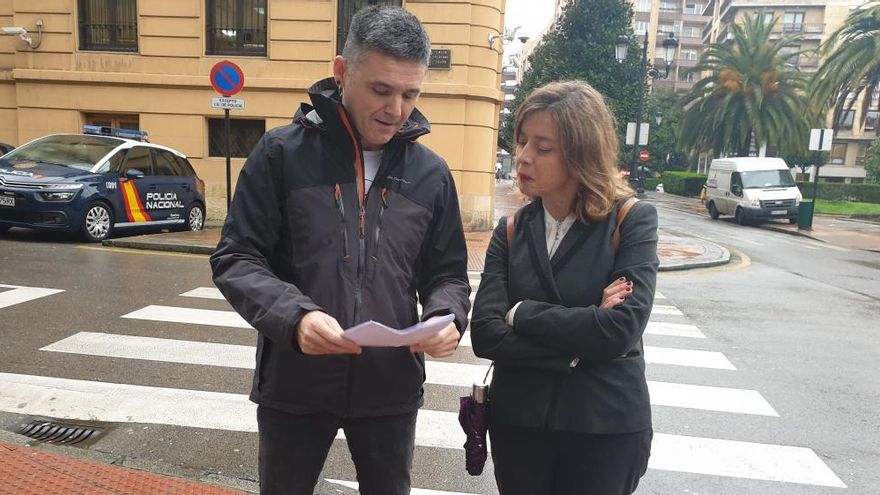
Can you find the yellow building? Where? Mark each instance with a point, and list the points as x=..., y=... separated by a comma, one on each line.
x=145, y=64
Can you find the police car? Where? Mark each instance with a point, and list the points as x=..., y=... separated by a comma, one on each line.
x=99, y=181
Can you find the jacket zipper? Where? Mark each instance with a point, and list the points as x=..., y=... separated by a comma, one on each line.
x=340, y=207
x=362, y=234
x=384, y=196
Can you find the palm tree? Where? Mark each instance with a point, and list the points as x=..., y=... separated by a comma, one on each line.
x=852, y=65
x=752, y=95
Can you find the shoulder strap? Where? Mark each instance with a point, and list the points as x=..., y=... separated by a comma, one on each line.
x=621, y=215
x=510, y=223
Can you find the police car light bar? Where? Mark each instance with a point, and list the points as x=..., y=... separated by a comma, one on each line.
x=102, y=130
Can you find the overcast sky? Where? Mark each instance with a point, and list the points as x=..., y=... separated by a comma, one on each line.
x=532, y=15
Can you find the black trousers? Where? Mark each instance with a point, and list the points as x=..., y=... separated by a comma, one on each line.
x=293, y=449
x=533, y=461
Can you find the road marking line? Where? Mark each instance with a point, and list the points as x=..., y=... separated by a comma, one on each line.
x=205, y=293
x=81, y=399
x=687, y=357
x=173, y=314
x=438, y=373
x=21, y=294
x=660, y=309
x=674, y=330
x=720, y=399
x=413, y=491
x=836, y=248
x=658, y=295
x=732, y=458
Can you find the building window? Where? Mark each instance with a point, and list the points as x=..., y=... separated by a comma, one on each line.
x=115, y=120
x=640, y=27
x=108, y=25
x=862, y=155
x=838, y=153
x=690, y=32
x=243, y=136
x=643, y=6
x=688, y=54
x=666, y=6
x=871, y=120
x=236, y=27
x=685, y=76
x=790, y=54
x=693, y=8
x=845, y=121
x=347, y=9
x=793, y=22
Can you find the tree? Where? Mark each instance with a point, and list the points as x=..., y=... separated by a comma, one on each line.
x=751, y=97
x=663, y=138
x=872, y=163
x=852, y=65
x=581, y=46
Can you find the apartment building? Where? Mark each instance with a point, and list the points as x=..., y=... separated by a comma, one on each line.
x=145, y=64
x=656, y=19
x=815, y=21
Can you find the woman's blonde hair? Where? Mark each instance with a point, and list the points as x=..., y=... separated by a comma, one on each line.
x=588, y=141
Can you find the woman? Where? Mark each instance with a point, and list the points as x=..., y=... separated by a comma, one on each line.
x=570, y=412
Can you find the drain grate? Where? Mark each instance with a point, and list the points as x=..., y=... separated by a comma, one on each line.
x=52, y=431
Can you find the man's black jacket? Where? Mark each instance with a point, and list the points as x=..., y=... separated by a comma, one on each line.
x=301, y=235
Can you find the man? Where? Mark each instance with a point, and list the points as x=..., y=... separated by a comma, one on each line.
x=339, y=218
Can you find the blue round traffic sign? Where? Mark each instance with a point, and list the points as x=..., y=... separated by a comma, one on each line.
x=227, y=78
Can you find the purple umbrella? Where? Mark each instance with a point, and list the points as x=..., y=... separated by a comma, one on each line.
x=473, y=415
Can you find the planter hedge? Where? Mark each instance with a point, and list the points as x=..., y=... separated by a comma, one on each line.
x=834, y=191
x=651, y=184
x=683, y=183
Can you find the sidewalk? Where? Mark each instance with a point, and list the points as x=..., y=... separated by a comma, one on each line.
x=59, y=470
x=675, y=252
x=838, y=231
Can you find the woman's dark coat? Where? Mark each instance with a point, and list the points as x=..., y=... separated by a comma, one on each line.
x=534, y=383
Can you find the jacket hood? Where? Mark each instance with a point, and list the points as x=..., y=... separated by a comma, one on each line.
x=322, y=112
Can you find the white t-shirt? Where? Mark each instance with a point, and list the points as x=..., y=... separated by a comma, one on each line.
x=372, y=159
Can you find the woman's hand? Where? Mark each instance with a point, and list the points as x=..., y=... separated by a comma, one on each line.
x=616, y=293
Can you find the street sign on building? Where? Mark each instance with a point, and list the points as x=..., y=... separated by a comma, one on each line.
x=228, y=103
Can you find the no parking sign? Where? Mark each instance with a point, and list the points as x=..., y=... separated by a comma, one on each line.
x=227, y=78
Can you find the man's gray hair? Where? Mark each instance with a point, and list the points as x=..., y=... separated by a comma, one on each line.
x=390, y=30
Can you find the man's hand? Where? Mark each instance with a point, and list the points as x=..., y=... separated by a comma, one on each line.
x=441, y=345
x=319, y=333
x=616, y=293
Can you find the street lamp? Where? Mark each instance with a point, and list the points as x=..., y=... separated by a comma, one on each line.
x=621, y=47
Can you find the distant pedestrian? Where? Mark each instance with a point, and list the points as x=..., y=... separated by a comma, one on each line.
x=339, y=218
x=562, y=307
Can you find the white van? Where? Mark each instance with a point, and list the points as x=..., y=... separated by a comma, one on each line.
x=751, y=188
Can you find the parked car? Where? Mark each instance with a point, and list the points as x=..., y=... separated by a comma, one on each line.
x=99, y=181
x=752, y=188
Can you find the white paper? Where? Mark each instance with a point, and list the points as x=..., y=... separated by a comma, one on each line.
x=374, y=334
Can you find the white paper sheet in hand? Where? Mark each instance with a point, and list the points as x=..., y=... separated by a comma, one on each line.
x=373, y=334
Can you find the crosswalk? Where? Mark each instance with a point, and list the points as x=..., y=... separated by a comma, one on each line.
x=436, y=429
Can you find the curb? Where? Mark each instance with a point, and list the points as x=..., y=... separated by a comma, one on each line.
x=691, y=265
x=797, y=233
x=159, y=246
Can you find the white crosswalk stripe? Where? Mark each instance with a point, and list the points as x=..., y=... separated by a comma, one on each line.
x=111, y=402
x=174, y=314
x=19, y=294
x=100, y=401
x=414, y=491
x=438, y=373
